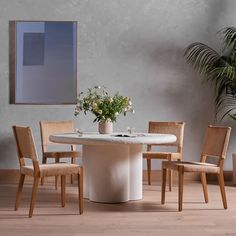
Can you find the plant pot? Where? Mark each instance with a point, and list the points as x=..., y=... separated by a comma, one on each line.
x=105, y=127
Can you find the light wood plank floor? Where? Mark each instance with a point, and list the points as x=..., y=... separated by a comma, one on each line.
x=146, y=217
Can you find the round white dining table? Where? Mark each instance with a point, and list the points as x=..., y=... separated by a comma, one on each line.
x=112, y=163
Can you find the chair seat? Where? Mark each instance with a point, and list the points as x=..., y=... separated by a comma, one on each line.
x=192, y=166
x=56, y=169
x=60, y=154
x=162, y=155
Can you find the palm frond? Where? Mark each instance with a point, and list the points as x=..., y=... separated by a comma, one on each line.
x=228, y=72
x=201, y=57
x=229, y=37
x=227, y=113
x=222, y=102
x=232, y=116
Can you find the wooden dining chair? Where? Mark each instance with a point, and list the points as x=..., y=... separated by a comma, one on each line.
x=51, y=127
x=215, y=145
x=26, y=149
x=176, y=128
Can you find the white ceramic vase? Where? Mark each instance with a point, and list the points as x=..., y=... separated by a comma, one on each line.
x=105, y=127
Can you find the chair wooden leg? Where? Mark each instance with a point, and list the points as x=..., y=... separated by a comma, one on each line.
x=170, y=178
x=163, y=186
x=63, y=190
x=170, y=174
x=73, y=161
x=222, y=188
x=34, y=194
x=56, y=182
x=204, y=186
x=44, y=161
x=149, y=166
x=56, y=177
x=81, y=191
x=19, y=191
x=181, y=186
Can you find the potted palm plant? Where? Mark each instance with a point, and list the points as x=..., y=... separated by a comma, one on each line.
x=219, y=69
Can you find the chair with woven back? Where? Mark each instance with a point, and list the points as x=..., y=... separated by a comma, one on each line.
x=175, y=128
x=51, y=127
x=26, y=150
x=215, y=146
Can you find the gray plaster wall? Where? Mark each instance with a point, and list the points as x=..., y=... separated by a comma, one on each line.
x=131, y=46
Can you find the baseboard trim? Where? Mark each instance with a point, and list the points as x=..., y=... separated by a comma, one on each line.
x=11, y=176
x=8, y=176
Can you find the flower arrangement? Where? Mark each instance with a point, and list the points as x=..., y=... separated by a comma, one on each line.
x=105, y=107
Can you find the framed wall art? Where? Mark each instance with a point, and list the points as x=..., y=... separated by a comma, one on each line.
x=43, y=62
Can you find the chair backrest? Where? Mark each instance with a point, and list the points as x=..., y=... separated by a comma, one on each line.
x=25, y=145
x=175, y=128
x=52, y=127
x=216, y=141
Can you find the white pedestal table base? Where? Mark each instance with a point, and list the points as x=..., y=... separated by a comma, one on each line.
x=112, y=173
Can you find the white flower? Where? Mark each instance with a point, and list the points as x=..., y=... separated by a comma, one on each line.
x=130, y=103
x=109, y=120
x=117, y=113
x=100, y=112
x=99, y=87
x=125, y=109
x=111, y=99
